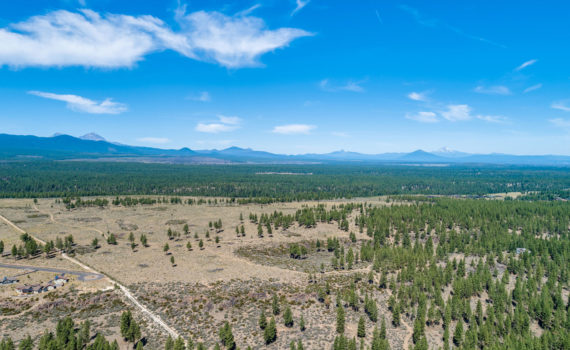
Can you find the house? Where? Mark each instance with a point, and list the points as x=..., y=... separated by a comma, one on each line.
x=60, y=280
x=37, y=289
x=8, y=280
x=23, y=290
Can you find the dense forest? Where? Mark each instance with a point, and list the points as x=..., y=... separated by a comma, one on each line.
x=271, y=182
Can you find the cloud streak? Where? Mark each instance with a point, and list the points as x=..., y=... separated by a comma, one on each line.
x=561, y=105
x=353, y=86
x=203, y=96
x=82, y=104
x=560, y=122
x=293, y=129
x=434, y=22
x=300, y=4
x=86, y=38
x=493, y=90
x=532, y=88
x=526, y=64
x=423, y=117
x=224, y=124
x=456, y=113
x=418, y=96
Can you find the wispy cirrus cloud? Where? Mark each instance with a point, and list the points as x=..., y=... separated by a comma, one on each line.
x=431, y=22
x=340, y=134
x=493, y=118
x=560, y=122
x=561, y=105
x=82, y=104
x=87, y=38
x=203, y=96
x=493, y=90
x=532, y=88
x=457, y=113
x=300, y=4
x=224, y=124
x=293, y=129
x=351, y=85
x=418, y=96
x=526, y=64
x=423, y=117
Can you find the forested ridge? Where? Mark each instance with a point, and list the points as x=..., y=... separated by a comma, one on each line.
x=62, y=179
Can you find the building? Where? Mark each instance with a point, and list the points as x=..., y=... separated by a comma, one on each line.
x=9, y=280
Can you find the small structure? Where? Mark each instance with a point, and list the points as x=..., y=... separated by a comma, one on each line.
x=57, y=282
x=60, y=280
x=9, y=280
x=522, y=250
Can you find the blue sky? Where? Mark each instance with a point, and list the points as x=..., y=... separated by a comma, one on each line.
x=291, y=76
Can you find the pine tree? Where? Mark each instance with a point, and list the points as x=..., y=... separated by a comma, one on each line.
x=340, y=320
x=270, y=332
x=262, y=320
x=396, y=315
x=179, y=344
x=361, y=328
x=125, y=324
x=302, y=324
x=139, y=346
x=458, y=334
x=227, y=337
x=288, y=317
x=169, y=345
x=275, y=305
x=26, y=344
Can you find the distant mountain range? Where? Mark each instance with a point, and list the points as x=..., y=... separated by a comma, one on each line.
x=95, y=148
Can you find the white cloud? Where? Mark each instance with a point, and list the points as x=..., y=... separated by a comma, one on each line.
x=224, y=124
x=233, y=42
x=155, y=140
x=560, y=122
x=214, y=128
x=532, y=88
x=492, y=118
x=526, y=64
x=493, y=90
x=292, y=129
x=457, y=113
x=203, y=96
x=561, y=105
x=340, y=134
x=300, y=4
x=418, y=96
x=229, y=120
x=354, y=86
x=86, y=38
x=249, y=10
x=82, y=104
x=423, y=117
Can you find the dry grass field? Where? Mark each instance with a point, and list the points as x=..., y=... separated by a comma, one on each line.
x=232, y=280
